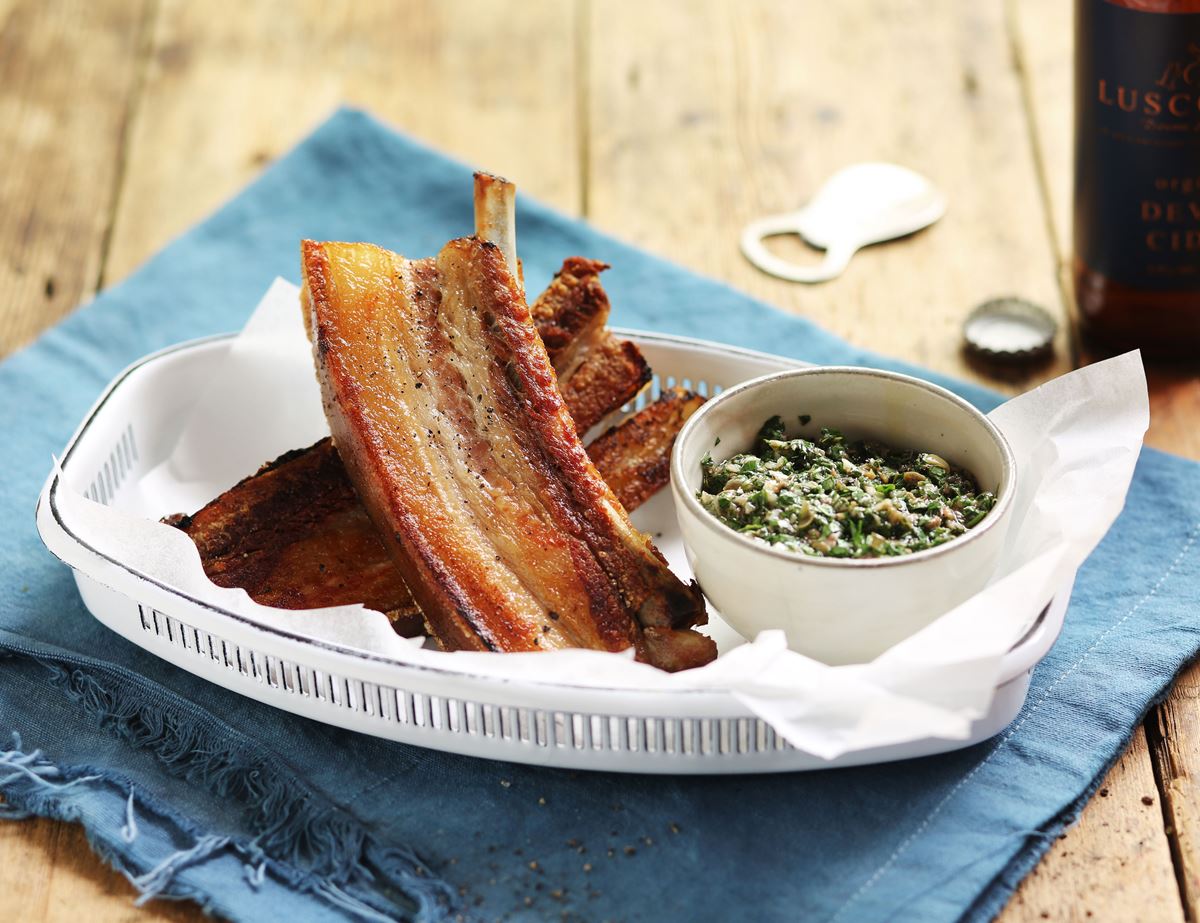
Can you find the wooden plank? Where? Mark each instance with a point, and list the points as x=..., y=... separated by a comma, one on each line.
x=1174, y=731
x=704, y=119
x=25, y=867
x=49, y=874
x=68, y=75
x=231, y=85
x=710, y=114
x=796, y=152
x=1042, y=36
x=1115, y=864
x=67, y=71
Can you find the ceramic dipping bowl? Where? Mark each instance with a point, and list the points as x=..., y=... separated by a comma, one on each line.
x=841, y=610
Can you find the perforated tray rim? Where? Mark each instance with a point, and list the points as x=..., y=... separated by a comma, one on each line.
x=596, y=727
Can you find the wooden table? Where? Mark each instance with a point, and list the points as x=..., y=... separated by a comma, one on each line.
x=667, y=123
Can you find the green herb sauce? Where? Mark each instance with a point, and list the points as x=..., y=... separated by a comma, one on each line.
x=834, y=499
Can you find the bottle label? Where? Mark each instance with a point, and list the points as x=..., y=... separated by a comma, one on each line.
x=1137, y=149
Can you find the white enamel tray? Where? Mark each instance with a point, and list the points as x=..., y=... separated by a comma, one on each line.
x=133, y=426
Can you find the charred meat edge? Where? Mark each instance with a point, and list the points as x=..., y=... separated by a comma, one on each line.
x=596, y=371
x=591, y=560
x=295, y=536
x=635, y=456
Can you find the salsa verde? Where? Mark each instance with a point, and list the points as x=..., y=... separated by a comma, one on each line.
x=841, y=500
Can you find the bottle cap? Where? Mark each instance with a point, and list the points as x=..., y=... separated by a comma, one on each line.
x=1010, y=329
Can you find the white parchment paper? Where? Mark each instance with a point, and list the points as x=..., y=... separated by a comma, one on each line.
x=1076, y=436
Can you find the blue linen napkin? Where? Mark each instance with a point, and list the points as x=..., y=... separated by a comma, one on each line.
x=195, y=792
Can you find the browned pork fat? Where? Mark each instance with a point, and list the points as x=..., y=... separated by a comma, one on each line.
x=443, y=403
x=635, y=456
x=295, y=536
x=596, y=371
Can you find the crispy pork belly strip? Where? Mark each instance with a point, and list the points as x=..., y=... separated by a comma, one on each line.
x=268, y=536
x=295, y=536
x=572, y=312
x=443, y=403
x=612, y=374
x=596, y=371
x=635, y=457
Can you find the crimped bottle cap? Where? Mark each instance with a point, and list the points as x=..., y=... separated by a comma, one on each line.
x=1010, y=329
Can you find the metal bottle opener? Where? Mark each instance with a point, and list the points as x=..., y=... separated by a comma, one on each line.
x=859, y=205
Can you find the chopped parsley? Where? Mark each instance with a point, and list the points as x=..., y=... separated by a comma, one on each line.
x=836, y=499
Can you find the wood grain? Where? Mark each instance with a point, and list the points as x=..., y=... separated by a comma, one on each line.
x=711, y=114
x=670, y=125
x=1115, y=864
x=772, y=100
x=232, y=85
x=49, y=874
x=1174, y=727
x=228, y=87
x=1174, y=731
x=67, y=75
x=1043, y=36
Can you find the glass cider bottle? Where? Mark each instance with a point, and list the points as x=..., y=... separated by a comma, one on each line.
x=1137, y=175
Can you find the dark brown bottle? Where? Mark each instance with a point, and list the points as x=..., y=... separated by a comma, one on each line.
x=1137, y=175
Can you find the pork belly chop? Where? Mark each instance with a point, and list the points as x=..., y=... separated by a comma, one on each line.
x=443, y=403
x=295, y=535
x=635, y=456
x=596, y=370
